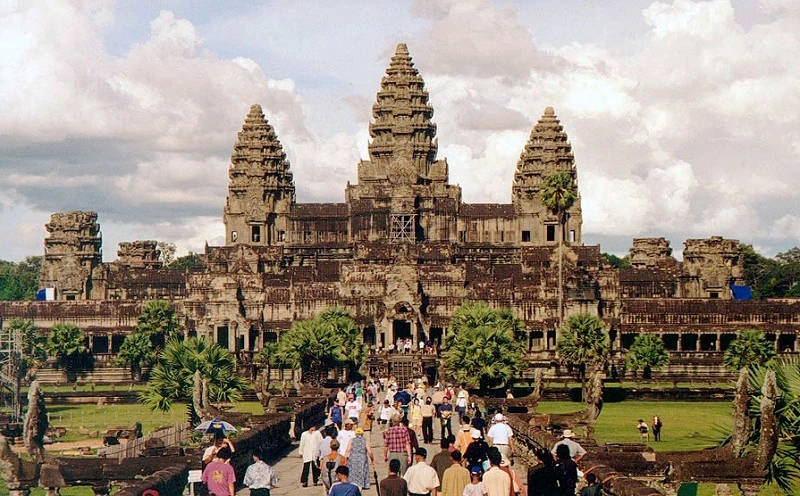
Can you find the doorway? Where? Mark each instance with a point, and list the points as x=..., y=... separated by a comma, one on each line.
x=401, y=329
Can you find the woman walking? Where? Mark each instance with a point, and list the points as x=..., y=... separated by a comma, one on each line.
x=328, y=465
x=359, y=457
x=415, y=416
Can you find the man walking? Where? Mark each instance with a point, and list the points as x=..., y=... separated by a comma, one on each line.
x=501, y=436
x=428, y=412
x=442, y=460
x=456, y=477
x=421, y=478
x=497, y=482
x=394, y=485
x=309, y=446
x=397, y=444
x=219, y=476
x=343, y=486
x=445, y=412
x=259, y=476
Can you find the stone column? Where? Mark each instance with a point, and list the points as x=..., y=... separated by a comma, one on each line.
x=717, y=343
x=680, y=341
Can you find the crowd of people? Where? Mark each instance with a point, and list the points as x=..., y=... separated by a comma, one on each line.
x=476, y=460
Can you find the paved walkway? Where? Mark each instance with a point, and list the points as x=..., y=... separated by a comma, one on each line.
x=290, y=466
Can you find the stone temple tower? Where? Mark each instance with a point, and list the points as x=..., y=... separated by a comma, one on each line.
x=548, y=150
x=72, y=252
x=261, y=188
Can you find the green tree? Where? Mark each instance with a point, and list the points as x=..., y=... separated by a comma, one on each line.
x=20, y=281
x=615, y=261
x=748, y=349
x=68, y=344
x=159, y=322
x=647, y=353
x=136, y=352
x=34, y=346
x=482, y=348
x=317, y=345
x=558, y=194
x=583, y=341
x=188, y=262
x=172, y=378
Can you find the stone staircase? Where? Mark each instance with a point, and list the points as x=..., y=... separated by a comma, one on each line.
x=100, y=375
x=405, y=368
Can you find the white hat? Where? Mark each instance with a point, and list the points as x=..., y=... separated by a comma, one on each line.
x=568, y=433
x=475, y=433
x=499, y=417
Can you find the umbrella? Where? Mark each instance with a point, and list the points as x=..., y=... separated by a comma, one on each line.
x=377, y=482
x=215, y=426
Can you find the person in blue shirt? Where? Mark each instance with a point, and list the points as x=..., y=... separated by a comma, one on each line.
x=343, y=486
x=336, y=414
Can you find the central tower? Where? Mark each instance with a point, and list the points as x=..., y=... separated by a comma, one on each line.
x=402, y=195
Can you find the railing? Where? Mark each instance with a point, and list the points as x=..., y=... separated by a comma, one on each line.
x=172, y=436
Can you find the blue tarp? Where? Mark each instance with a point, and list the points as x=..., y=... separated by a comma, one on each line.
x=741, y=292
x=41, y=295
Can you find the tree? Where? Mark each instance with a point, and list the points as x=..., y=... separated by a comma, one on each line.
x=615, y=261
x=68, y=344
x=647, y=353
x=20, y=281
x=188, y=262
x=558, y=194
x=483, y=348
x=136, y=352
x=748, y=349
x=583, y=341
x=317, y=345
x=172, y=378
x=34, y=346
x=158, y=322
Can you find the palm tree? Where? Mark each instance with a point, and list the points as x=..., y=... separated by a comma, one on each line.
x=583, y=341
x=136, y=352
x=558, y=194
x=159, y=322
x=748, y=349
x=172, y=378
x=647, y=353
x=483, y=348
x=68, y=344
x=34, y=346
x=354, y=350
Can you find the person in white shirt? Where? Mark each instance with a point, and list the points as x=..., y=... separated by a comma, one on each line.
x=462, y=400
x=576, y=451
x=422, y=479
x=353, y=409
x=475, y=487
x=309, y=446
x=345, y=436
x=501, y=436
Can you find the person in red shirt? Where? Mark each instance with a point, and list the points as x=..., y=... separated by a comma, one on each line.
x=219, y=476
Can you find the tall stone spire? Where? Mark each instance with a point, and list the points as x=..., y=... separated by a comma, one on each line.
x=261, y=184
x=403, y=136
x=548, y=150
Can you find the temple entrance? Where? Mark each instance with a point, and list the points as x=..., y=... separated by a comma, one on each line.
x=401, y=329
x=436, y=336
x=369, y=336
x=252, y=338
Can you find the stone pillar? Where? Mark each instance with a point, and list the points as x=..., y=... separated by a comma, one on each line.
x=697, y=342
x=717, y=343
x=680, y=341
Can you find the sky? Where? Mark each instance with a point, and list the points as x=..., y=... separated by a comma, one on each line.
x=684, y=115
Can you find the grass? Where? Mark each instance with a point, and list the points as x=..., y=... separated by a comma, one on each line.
x=687, y=426
x=91, y=418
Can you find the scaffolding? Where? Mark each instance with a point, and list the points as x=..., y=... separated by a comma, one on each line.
x=10, y=370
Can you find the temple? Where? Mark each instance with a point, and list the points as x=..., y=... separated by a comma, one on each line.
x=402, y=253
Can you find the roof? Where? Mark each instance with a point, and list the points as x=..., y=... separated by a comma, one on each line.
x=487, y=210
x=316, y=210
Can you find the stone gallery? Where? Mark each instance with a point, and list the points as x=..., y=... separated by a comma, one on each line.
x=402, y=253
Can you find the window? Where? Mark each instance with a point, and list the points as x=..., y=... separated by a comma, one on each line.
x=572, y=236
x=526, y=236
x=234, y=236
x=308, y=237
x=502, y=236
x=255, y=232
x=551, y=232
x=402, y=228
x=462, y=236
x=281, y=235
x=70, y=297
x=713, y=295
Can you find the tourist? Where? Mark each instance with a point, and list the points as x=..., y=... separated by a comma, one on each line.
x=359, y=457
x=415, y=416
x=259, y=477
x=220, y=441
x=566, y=471
x=422, y=479
x=442, y=460
x=516, y=482
x=309, y=446
x=328, y=465
x=509, y=394
x=445, y=412
x=502, y=436
x=644, y=434
x=369, y=417
x=475, y=486
x=462, y=400
x=464, y=437
x=593, y=486
x=343, y=486
x=456, y=477
x=336, y=414
x=353, y=409
x=397, y=444
x=497, y=482
x=412, y=436
x=438, y=397
x=328, y=434
x=576, y=451
x=478, y=422
x=387, y=412
x=341, y=397
x=543, y=481
x=656, y=426
x=477, y=451
x=345, y=436
x=393, y=485
x=427, y=411
x=219, y=476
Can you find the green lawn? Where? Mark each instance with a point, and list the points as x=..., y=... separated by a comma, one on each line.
x=91, y=418
x=687, y=426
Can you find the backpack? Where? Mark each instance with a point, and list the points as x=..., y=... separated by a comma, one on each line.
x=567, y=477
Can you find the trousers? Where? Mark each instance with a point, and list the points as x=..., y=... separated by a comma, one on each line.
x=427, y=429
x=314, y=472
x=446, y=426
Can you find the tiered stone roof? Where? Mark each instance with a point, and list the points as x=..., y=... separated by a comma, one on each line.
x=258, y=163
x=403, y=136
x=548, y=150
